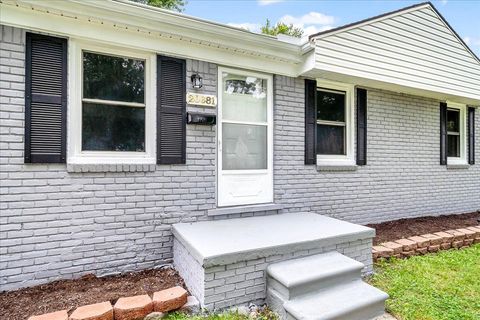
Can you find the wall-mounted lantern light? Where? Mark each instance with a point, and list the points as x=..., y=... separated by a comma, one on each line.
x=197, y=81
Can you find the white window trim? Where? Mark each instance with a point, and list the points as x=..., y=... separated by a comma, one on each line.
x=74, y=125
x=349, y=158
x=462, y=160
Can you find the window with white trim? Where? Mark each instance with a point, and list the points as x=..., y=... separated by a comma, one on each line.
x=113, y=103
x=456, y=133
x=111, y=115
x=334, y=123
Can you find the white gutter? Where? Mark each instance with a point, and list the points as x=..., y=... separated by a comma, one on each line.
x=134, y=15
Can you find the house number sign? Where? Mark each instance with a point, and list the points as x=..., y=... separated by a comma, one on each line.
x=198, y=99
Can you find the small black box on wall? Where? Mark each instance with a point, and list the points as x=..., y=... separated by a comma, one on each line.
x=201, y=118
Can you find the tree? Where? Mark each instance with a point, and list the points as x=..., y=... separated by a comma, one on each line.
x=282, y=28
x=177, y=5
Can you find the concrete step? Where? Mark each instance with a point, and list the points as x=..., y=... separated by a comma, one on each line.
x=297, y=277
x=354, y=300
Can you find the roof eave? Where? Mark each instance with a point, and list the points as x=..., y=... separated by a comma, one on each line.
x=182, y=25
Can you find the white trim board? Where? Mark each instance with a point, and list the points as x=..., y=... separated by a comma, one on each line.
x=75, y=155
x=349, y=158
x=82, y=20
x=462, y=160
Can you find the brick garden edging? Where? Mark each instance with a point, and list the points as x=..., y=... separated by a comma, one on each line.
x=432, y=242
x=131, y=308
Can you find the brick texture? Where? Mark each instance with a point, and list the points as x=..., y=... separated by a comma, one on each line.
x=402, y=178
x=418, y=245
x=58, y=315
x=63, y=221
x=133, y=308
x=97, y=311
x=60, y=221
x=223, y=286
x=169, y=299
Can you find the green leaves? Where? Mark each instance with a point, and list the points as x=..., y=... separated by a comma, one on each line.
x=281, y=28
x=175, y=5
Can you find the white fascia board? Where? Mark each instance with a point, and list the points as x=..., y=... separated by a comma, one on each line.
x=385, y=83
x=174, y=25
x=308, y=64
x=104, y=34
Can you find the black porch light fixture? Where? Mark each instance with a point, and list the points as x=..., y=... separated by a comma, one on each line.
x=197, y=81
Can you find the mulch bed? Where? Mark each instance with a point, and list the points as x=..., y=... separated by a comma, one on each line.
x=69, y=294
x=404, y=228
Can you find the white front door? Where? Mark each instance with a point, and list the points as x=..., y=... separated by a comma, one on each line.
x=245, y=130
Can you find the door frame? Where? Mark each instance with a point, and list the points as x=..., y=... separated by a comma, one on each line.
x=218, y=137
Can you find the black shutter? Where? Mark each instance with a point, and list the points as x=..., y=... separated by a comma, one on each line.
x=310, y=121
x=443, y=133
x=471, y=135
x=171, y=110
x=361, y=127
x=45, y=99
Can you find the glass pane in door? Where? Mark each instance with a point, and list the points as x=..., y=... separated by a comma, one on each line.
x=244, y=146
x=244, y=98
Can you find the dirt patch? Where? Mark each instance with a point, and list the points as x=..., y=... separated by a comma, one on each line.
x=404, y=228
x=69, y=294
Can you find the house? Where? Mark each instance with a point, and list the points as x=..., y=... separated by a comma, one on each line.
x=132, y=137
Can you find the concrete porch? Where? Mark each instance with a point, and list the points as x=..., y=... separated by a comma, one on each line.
x=224, y=262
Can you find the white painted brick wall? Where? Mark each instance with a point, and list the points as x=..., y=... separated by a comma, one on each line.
x=55, y=223
x=403, y=178
x=60, y=224
x=190, y=270
x=243, y=282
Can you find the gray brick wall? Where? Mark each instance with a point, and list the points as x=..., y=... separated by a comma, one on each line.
x=58, y=223
x=62, y=222
x=403, y=177
x=190, y=270
x=240, y=283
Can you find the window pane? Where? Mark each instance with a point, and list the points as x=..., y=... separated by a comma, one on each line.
x=330, y=139
x=244, y=146
x=453, y=120
x=330, y=106
x=112, y=128
x=244, y=98
x=113, y=78
x=453, y=147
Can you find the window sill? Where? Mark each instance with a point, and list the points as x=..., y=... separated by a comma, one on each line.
x=458, y=166
x=86, y=167
x=336, y=165
x=457, y=163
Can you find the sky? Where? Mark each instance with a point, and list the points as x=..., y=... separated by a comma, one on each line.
x=319, y=15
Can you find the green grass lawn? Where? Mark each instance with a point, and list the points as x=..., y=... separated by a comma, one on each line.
x=440, y=286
